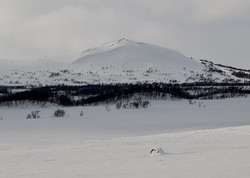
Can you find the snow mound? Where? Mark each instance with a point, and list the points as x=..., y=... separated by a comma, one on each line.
x=157, y=151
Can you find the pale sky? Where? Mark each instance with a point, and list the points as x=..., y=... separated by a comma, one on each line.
x=217, y=30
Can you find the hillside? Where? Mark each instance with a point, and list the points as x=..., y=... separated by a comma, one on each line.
x=122, y=61
x=131, y=54
x=116, y=71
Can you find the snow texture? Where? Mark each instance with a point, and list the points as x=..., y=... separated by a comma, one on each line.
x=191, y=141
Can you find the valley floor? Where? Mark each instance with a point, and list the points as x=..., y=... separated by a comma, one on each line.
x=205, y=139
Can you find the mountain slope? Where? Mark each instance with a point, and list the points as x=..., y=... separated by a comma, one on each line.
x=134, y=54
x=121, y=61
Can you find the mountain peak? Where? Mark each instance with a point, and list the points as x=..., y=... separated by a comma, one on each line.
x=125, y=52
x=117, y=42
x=120, y=42
x=109, y=46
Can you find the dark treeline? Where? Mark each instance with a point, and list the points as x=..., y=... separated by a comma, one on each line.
x=107, y=93
x=3, y=89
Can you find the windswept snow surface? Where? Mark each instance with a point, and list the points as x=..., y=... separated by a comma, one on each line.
x=222, y=153
x=205, y=139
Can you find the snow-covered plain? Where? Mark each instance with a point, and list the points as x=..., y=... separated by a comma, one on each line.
x=207, y=139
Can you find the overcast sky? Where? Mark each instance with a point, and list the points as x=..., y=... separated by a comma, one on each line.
x=217, y=30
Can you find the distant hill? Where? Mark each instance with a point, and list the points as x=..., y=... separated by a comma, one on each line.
x=117, y=72
x=121, y=61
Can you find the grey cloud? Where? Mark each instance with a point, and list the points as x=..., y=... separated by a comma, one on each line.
x=215, y=29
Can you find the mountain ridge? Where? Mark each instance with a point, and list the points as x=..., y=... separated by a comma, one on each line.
x=121, y=61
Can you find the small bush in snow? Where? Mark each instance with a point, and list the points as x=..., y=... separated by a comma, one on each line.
x=118, y=105
x=107, y=108
x=132, y=105
x=33, y=115
x=59, y=113
x=81, y=113
x=145, y=104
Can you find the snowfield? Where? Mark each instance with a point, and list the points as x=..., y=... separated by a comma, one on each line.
x=209, y=138
x=204, y=153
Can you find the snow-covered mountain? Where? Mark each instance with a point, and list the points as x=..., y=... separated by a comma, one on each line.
x=135, y=55
x=121, y=61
